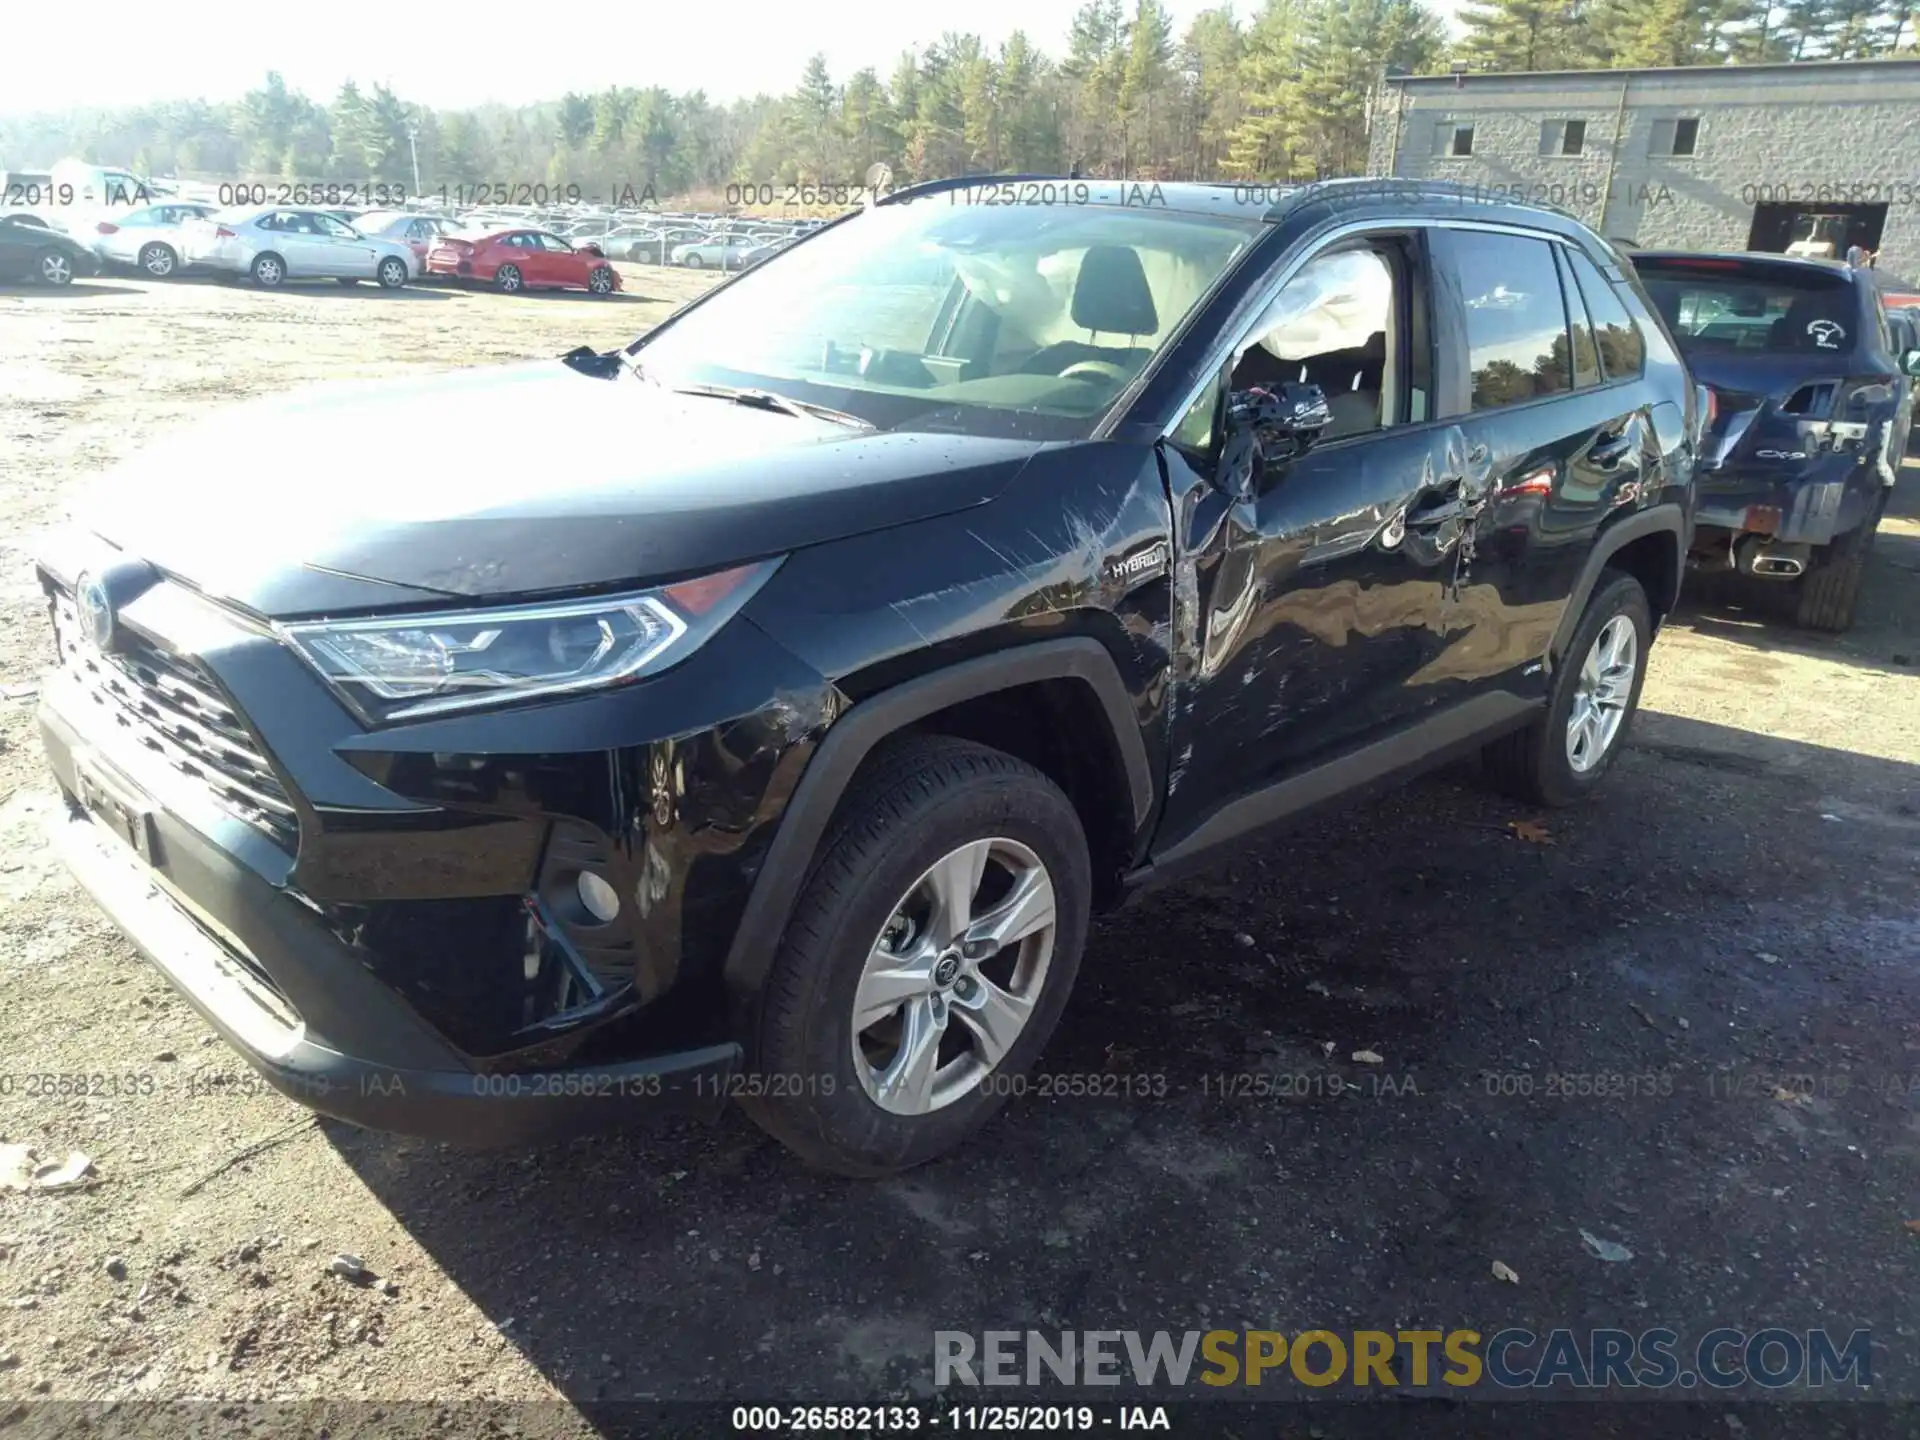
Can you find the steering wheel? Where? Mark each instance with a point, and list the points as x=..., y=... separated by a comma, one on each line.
x=1096, y=370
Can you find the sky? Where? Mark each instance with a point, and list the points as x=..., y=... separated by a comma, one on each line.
x=729, y=49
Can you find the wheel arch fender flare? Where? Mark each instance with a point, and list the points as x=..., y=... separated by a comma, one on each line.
x=1666, y=519
x=864, y=726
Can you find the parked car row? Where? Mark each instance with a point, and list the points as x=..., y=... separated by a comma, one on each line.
x=271, y=245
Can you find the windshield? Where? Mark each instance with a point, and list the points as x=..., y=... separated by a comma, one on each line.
x=1011, y=320
x=1718, y=312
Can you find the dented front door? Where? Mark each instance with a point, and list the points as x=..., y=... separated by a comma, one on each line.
x=1308, y=616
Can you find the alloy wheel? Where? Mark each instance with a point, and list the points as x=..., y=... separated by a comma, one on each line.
x=1602, y=693
x=55, y=268
x=159, y=261
x=953, y=977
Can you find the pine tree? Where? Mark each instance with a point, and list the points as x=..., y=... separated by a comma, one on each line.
x=347, y=124
x=1025, y=147
x=867, y=123
x=576, y=120
x=1094, y=68
x=1343, y=45
x=1805, y=28
x=1265, y=144
x=1146, y=83
x=1523, y=35
x=814, y=112
x=1210, y=63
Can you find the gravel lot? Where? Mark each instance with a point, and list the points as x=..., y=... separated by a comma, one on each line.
x=1741, y=906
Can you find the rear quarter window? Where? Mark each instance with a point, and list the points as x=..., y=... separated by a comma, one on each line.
x=1623, y=349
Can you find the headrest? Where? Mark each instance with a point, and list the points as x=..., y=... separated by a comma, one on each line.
x=1111, y=293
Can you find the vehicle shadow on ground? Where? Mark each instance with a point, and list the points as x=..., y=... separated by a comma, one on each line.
x=412, y=290
x=72, y=290
x=1203, y=1139
x=369, y=290
x=621, y=296
x=1759, y=613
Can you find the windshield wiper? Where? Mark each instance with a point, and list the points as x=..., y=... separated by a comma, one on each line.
x=769, y=400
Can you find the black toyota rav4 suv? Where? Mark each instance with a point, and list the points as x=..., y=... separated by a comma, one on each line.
x=761, y=711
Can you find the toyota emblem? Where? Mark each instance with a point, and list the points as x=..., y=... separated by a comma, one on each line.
x=96, y=611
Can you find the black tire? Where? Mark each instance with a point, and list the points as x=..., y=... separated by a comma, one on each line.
x=391, y=273
x=914, y=803
x=269, y=271
x=1827, y=595
x=509, y=279
x=159, y=261
x=1532, y=764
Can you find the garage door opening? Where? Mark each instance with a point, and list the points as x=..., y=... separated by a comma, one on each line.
x=1823, y=231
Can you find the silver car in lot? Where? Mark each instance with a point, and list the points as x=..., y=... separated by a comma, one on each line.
x=413, y=229
x=275, y=243
x=153, y=237
x=716, y=252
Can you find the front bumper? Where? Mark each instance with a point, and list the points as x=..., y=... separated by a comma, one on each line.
x=270, y=976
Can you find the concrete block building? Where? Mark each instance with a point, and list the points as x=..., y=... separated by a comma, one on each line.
x=1813, y=156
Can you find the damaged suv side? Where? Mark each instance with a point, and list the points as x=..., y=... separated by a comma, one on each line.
x=902, y=603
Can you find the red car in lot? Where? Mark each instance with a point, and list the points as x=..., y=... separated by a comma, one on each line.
x=516, y=260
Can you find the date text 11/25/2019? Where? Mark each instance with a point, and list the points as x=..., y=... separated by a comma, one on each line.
x=905, y=1419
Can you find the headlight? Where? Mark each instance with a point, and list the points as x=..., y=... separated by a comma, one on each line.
x=409, y=665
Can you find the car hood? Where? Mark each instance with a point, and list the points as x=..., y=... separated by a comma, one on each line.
x=511, y=481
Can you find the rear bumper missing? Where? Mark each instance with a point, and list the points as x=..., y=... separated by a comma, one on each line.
x=1792, y=512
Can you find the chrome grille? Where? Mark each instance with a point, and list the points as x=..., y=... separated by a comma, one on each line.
x=174, y=708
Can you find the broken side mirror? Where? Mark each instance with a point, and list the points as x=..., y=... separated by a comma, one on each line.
x=1266, y=428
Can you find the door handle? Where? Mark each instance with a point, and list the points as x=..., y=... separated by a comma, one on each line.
x=1441, y=505
x=1607, y=453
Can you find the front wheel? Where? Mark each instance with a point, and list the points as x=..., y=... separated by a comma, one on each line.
x=600, y=282
x=1566, y=752
x=392, y=273
x=926, y=963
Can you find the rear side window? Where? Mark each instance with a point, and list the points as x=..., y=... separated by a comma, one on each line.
x=1623, y=349
x=1586, y=359
x=1715, y=311
x=1517, y=344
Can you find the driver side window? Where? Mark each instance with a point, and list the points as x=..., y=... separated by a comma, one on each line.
x=1335, y=324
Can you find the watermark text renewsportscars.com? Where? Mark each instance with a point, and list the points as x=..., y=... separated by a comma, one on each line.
x=1773, y=1358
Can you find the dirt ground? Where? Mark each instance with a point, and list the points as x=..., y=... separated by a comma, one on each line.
x=1738, y=916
